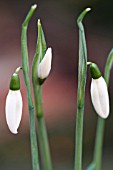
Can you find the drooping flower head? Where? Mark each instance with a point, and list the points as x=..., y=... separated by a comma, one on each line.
x=99, y=92
x=14, y=104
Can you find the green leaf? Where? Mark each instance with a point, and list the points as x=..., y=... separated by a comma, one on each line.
x=82, y=70
x=25, y=67
x=108, y=66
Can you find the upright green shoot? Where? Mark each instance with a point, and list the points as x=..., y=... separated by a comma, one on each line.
x=25, y=67
x=81, y=91
x=42, y=132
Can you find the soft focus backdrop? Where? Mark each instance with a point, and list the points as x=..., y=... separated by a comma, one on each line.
x=58, y=19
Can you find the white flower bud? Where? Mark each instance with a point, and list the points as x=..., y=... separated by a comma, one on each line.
x=45, y=65
x=13, y=109
x=100, y=97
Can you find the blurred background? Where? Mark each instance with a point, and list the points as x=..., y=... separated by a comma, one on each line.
x=60, y=89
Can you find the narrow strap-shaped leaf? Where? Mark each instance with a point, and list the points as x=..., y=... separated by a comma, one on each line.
x=25, y=67
x=109, y=64
x=82, y=69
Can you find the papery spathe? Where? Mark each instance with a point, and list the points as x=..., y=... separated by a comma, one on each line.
x=44, y=66
x=100, y=97
x=13, y=108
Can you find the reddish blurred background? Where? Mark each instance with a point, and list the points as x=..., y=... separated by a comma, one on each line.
x=60, y=90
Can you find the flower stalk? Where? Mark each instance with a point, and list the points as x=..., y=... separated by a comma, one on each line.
x=25, y=67
x=37, y=87
x=101, y=122
x=97, y=159
x=81, y=91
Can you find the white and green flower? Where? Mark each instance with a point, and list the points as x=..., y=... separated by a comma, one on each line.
x=14, y=104
x=99, y=92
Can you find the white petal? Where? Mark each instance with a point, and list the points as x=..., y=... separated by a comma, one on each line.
x=13, y=110
x=100, y=97
x=45, y=65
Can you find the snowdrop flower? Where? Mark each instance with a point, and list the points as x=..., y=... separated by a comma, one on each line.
x=44, y=66
x=14, y=104
x=99, y=92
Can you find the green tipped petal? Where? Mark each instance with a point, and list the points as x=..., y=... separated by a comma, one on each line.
x=15, y=82
x=94, y=70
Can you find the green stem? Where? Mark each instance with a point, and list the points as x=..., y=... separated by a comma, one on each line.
x=42, y=133
x=25, y=67
x=99, y=143
x=44, y=146
x=101, y=122
x=81, y=92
